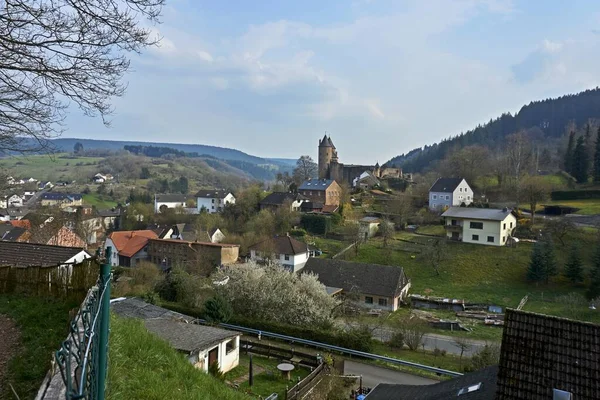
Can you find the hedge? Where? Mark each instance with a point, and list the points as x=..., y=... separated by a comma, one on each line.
x=316, y=224
x=575, y=194
x=356, y=339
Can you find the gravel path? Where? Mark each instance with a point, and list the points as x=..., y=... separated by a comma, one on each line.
x=9, y=343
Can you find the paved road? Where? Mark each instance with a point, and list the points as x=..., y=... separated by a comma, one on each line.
x=34, y=199
x=432, y=341
x=373, y=375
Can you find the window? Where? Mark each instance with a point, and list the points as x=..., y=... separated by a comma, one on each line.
x=286, y=257
x=476, y=225
x=368, y=300
x=490, y=239
x=319, y=194
x=383, y=302
x=475, y=238
x=503, y=239
x=460, y=189
x=213, y=200
x=468, y=197
x=230, y=346
x=469, y=389
x=511, y=224
x=447, y=197
x=504, y=226
x=558, y=394
x=434, y=196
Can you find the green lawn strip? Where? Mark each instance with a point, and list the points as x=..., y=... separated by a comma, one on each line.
x=99, y=202
x=268, y=381
x=437, y=230
x=45, y=167
x=329, y=247
x=43, y=325
x=448, y=362
x=142, y=366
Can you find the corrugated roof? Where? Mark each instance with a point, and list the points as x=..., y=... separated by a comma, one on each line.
x=381, y=280
x=18, y=254
x=316, y=184
x=540, y=353
x=491, y=214
x=281, y=245
x=446, y=185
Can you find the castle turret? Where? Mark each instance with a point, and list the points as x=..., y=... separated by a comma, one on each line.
x=326, y=153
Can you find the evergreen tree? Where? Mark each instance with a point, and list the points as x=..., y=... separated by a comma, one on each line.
x=569, y=153
x=593, y=291
x=580, y=169
x=597, y=158
x=574, y=266
x=543, y=263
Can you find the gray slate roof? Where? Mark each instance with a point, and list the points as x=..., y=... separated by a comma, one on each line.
x=281, y=245
x=171, y=198
x=316, y=184
x=172, y=326
x=489, y=214
x=446, y=185
x=380, y=280
x=18, y=254
x=188, y=337
x=213, y=193
x=441, y=391
x=61, y=196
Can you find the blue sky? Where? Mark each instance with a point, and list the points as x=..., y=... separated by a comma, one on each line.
x=382, y=77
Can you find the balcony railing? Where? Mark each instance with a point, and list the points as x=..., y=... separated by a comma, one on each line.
x=454, y=228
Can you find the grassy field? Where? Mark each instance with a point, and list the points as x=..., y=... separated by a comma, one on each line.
x=142, y=366
x=586, y=206
x=267, y=382
x=329, y=247
x=494, y=275
x=43, y=325
x=98, y=201
x=56, y=167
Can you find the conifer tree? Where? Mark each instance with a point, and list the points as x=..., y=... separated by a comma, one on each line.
x=549, y=260
x=569, y=153
x=580, y=169
x=597, y=158
x=543, y=264
x=574, y=266
x=593, y=291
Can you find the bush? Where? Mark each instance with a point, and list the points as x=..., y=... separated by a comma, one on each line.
x=397, y=340
x=217, y=310
x=489, y=355
x=316, y=224
x=178, y=286
x=298, y=232
x=214, y=370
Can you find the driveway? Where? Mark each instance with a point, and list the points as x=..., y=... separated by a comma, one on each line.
x=373, y=375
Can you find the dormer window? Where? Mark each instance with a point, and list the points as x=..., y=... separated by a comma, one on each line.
x=558, y=394
x=469, y=389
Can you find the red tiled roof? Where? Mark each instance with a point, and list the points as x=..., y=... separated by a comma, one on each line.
x=330, y=208
x=130, y=242
x=22, y=223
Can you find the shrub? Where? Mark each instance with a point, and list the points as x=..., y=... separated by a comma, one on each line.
x=575, y=194
x=298, y=232
x=316, y=224
x=215, y=371
x=489, y=355
x=397, y=340
x=217, y=310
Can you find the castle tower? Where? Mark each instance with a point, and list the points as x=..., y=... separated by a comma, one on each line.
x=377, y=171
x=326, y=154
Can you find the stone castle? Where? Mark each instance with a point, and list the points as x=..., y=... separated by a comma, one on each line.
x=331, y=168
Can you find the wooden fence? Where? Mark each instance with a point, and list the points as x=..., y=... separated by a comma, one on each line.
x=280, y=353
x=301, y=389
x=55, y=281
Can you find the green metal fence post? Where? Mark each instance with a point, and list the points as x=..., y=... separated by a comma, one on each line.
x=104, y=324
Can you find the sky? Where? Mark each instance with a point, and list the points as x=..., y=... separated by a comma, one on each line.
x=381, y=77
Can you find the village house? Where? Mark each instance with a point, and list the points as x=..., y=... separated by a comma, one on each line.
x=371, y=286
x=449, y=192
x=14, y=201
x=368, y=227
x=111, y=218
x=203, y=345
x=324, y=191
x=16, y=254
x=51, y=199
x=479, y=225
x=168, y=253
x=55, y=234
x=290, y=253
x=128, y=247
x=162, y=201
x=214, y=235
x=276, y=200
x=213, y=201
x=365, y=181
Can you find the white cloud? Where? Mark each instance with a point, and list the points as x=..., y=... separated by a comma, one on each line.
x=203, y=55
x=551, y=47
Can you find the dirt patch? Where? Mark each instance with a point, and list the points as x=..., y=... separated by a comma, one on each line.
x=9, y=344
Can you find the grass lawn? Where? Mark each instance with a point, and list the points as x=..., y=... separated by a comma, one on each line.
x=43, y=324
x=44, y=167
x=330, y=247
x=142, y=366
x=437, y=230
x=98, y=201
x=448, y=361
x=586, y=206
x=267, y=382
x=486, y=274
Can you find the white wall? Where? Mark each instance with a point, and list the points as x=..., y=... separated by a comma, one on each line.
x=213, y=205
x=159, y=204
x=462, y=194
x=114, y=258
x=499, y=230
x=227, y=362
x=77, y=258
x=295, y=262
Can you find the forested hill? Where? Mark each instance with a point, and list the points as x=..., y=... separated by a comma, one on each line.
x=551, y=116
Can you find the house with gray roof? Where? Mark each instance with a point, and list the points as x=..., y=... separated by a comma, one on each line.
x=286, y=251
x=213, y=200
x=489, y=226
x=449, y=192
x=162, y=201
x=371, y=285
x=202, y=345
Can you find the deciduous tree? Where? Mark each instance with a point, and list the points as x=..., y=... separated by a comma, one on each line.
x=60, y=52
x=305, y=169
x=533, y=190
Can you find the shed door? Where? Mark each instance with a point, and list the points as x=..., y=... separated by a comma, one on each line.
x=213, y=356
